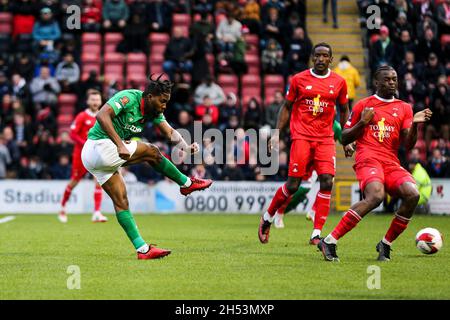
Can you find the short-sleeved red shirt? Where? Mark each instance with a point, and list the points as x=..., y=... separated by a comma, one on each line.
x=84, y=121
x=314, y=99
x=381, y=137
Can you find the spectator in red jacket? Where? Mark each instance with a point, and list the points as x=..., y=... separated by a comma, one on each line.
x=207, y=108
x=23, y=21
x=91, y=16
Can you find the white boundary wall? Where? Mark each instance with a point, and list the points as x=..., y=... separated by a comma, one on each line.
x=41, y=196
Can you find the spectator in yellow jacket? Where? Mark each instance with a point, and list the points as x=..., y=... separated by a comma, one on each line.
x=351, y=76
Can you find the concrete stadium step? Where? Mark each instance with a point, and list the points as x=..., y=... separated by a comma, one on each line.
x=344, y=6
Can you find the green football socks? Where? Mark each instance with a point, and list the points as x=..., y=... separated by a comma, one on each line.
x=298, y=197
x=168, y=169
x=128, y=224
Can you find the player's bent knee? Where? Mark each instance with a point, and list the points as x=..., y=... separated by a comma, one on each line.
x=155, y=155
x=326, y=182
x=375, y=200
x=292, y=186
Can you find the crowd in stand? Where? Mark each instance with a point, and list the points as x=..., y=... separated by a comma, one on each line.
x=414, y=37
x=41, y=58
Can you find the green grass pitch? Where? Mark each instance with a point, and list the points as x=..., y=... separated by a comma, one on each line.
x=213, y=257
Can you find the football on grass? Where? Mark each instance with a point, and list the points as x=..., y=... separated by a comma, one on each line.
x=429, y=240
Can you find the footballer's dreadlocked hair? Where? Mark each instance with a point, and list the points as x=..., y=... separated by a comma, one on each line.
x=156, y=87
x=322, y=44
x=381, y=69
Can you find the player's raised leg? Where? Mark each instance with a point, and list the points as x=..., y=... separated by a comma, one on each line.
x=98, y=195
x=373, y=197
x=410, y=197
x=116, y=189
x=146, y=152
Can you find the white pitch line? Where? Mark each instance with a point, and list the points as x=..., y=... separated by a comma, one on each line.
x=7, y=219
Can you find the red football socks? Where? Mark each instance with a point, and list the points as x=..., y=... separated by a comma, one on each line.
x=347, y=223
x=398, y=225
x=66, y=196
x=98, y=193
x=322, y=208
x=278, y=200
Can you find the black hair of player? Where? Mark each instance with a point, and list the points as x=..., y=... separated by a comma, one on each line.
x=157, y=87
x=381, y=69
x=322, y=44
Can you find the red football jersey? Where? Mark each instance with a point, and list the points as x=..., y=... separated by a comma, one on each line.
x=84, y=121
x=314, y=99
x=381, y=137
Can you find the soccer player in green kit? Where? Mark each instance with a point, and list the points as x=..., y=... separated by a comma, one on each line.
x=109, y=147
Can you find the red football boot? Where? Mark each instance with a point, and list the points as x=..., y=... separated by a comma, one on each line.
x=197, y=184
x=264, y=230
x=153, y=253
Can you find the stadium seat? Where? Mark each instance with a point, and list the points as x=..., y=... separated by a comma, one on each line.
x=91, y=38
x=251, y=39
x=88, y=57
x=67, y=99
x=5, y=22
x=136, y=69
x=229, y=83
x=445, y=39
x=272, y=84
x=66, y=110
x=136, y=58
x=92, y=49
x=181, y=19
x=136, y=81
x=197, y=17
x=114, y=58
x=112, y=39
x=252, y=63
x=155, y=63
x=211, y=62
x=159, y=38
x=87, y=67
x=251, y=80
x=158, y=48
x=64, y=119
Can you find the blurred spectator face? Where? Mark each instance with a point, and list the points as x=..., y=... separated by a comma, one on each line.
x=177, y=32
x=207, y=119
x=233, y=122
x=437, y=156
x=429, y=34
x=273, y=14
x=433, y=60
x=384, y=33
x=253, y=104
x=65, y=137
x=183, y=118
x=3, y=78
x=299, y=33
x=45, y=73
x=442, y=89
x=6, y=101
x=46, y=14
x=2, y=140
x=17, y=106
x=283, y=159
x=209, y=160
x=415, y=154
x=24, y=162
x=68, y=58
x=19, y=119
x=278, y=97
x=207, y=102
x=405, y=37
x=401, y=19
x=409, y=57
x=8, y=134
x=16, y=79
x=231, y=100
x=94, y=101
x=64, y=160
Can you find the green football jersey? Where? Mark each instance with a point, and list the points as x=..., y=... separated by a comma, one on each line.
x=129, y=120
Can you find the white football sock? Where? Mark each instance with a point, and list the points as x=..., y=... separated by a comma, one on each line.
x=187, y=184
x=386, y=242
x=143, y=249
x=330, y=239
x=315, y=233
x=268, y=217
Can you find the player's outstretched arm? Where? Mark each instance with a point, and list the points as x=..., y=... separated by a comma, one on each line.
x=410, y=135
x=282, y=122
x=350, y=135
x=104, y=118
x=175, y=137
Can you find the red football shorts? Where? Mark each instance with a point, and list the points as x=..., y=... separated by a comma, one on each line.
x=391, y=174
x=78, y=169
x=305, y=155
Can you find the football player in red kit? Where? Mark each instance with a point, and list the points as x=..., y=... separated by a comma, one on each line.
x=379, y=124
x=310, y=110
x=78, y=133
